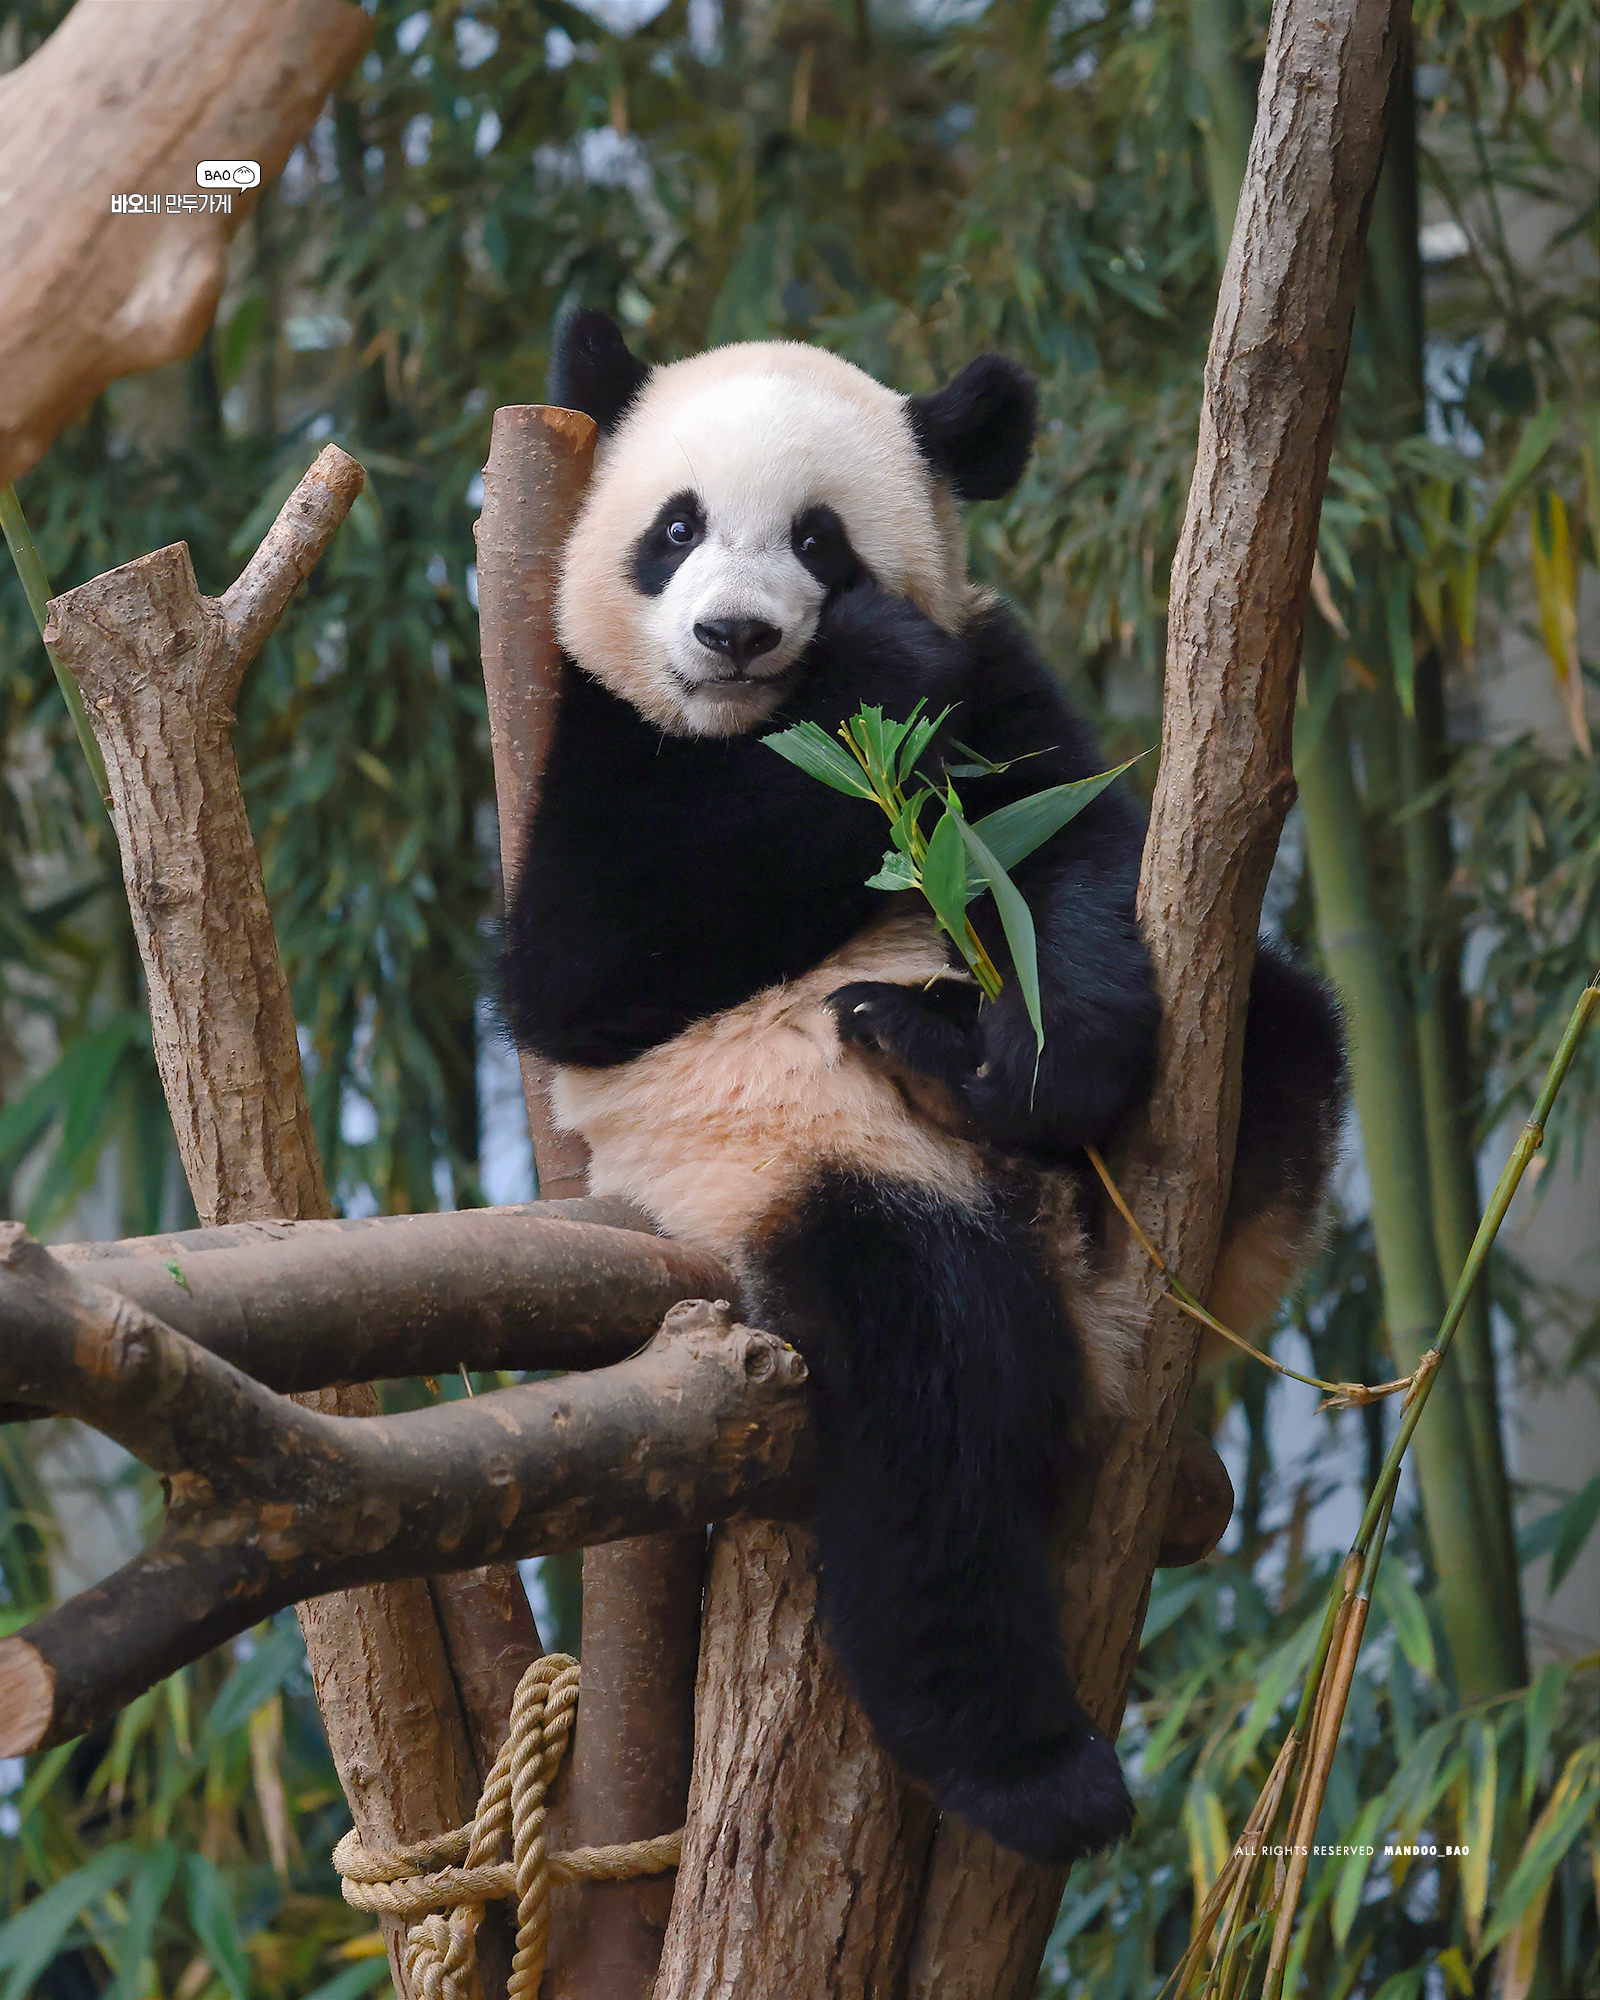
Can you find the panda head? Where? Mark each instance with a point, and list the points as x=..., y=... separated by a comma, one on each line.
x=734, y=491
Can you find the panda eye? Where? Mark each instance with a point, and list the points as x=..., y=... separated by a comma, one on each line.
x=680, y=532
x=809, y=544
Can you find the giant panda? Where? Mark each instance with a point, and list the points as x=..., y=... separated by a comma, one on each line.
x=793, y=1071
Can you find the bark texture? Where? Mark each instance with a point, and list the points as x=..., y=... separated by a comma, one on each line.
x=641, y=1601
x=273, y=1501
x=805, y=1846
x=1239, y=584
x=538, y=467
x=160, y=667
x=320, y=1304
x=124, y=100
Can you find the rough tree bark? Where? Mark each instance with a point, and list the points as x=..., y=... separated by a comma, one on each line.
x=323, y=1303
x=1239, y=586
x=271, y=1501
x=125, y=100
x=160, y=666
x=633, y=1741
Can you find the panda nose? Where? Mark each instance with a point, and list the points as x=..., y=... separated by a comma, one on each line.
x=741, y=639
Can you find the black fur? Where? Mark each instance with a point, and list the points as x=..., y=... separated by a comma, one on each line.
x=668, y=879
x=977, y=431
x=591, y=369
x=678, y=528
x=947, y=1387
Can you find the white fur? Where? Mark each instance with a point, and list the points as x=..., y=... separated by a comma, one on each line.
x=760, y=432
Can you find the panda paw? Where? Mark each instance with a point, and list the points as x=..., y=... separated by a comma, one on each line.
x=931, y=1030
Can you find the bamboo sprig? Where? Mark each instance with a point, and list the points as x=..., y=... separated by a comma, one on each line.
x=36, y=588
x=1309, y=1749
x=884, y=775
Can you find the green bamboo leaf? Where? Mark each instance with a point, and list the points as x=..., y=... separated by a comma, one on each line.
x=878, y=740
x=355, y=1980
x=1012, y=833
x=920, y=731
x=37, y=1932
x=944, y=875
x=812, y=751
x=1535, y=441
x=897, y=872
x=1353, y=1872
x=215, y=1925
x=1405, y=1985
x=1477, y=1828
x=255, y=1680
x=1397, y=1598
x=1016, y=923
x=146, y=1894
x=1540, y=1707
x=1280, y=1671
x=1165, y=1733
x=1397, y=624
x=1577, y=1521
x=1566, y=1814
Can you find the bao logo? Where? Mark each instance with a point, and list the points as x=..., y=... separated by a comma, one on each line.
x=228, y=173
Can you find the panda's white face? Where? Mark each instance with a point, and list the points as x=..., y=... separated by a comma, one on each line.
x=739, y=490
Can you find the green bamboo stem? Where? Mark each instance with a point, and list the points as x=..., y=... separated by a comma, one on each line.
x=1366, y=1550
x=1216, y=37
x=36, y=587
x=1444, y=1070
x=1388, y=1101
x=1417, y=753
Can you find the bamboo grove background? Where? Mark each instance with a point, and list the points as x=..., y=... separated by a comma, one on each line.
x=906, y=187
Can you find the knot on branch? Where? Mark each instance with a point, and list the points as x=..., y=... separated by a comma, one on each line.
x=440, y=1951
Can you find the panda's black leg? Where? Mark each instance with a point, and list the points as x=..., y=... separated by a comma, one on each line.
x=945, y=1374
x=930, y=1029
x=1291, y=1111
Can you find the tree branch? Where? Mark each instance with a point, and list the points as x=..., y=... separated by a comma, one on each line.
x=272, y=1502
x=159, y=666
x=1239, y=586
x=122, y=100
x=326, y=1303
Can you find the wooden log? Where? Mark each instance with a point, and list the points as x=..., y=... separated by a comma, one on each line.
x=632, y=1749
x=1239, y=585
x=160, y=668
x=129, y=100
x=324, y=1304
x=272, y=1501
x=805, y=1847
x=538, y=466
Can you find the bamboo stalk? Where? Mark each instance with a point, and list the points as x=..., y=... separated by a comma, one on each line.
x=1366, y=973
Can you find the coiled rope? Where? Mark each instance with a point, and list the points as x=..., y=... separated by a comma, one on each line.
x=445, y=1882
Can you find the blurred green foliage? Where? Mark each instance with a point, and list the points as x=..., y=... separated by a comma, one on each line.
x=906, y=185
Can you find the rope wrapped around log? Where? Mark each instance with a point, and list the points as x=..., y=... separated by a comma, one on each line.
x=445, y=1882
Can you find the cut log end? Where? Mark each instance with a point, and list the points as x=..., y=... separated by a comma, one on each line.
x=27, y=1697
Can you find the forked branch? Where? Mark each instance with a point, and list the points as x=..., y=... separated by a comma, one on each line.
x=271, y=1502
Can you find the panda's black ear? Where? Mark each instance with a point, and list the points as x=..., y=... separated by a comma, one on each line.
x=977, y=431
x=591, y=369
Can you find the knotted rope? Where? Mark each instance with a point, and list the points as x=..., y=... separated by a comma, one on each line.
x=445, y=1882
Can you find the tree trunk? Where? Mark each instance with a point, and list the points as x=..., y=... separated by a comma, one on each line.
x=1239, y=585
x=128, y=100
x=160, y=668
x=632, y=1744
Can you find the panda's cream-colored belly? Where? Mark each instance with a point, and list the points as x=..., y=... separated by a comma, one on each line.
x=711, y=1130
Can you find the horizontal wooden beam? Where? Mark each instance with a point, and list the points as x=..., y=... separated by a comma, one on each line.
x=309, y=1305
x=271, y=1502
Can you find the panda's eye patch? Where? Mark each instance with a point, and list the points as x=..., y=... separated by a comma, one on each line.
x=678, y=528
x=819, y=540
